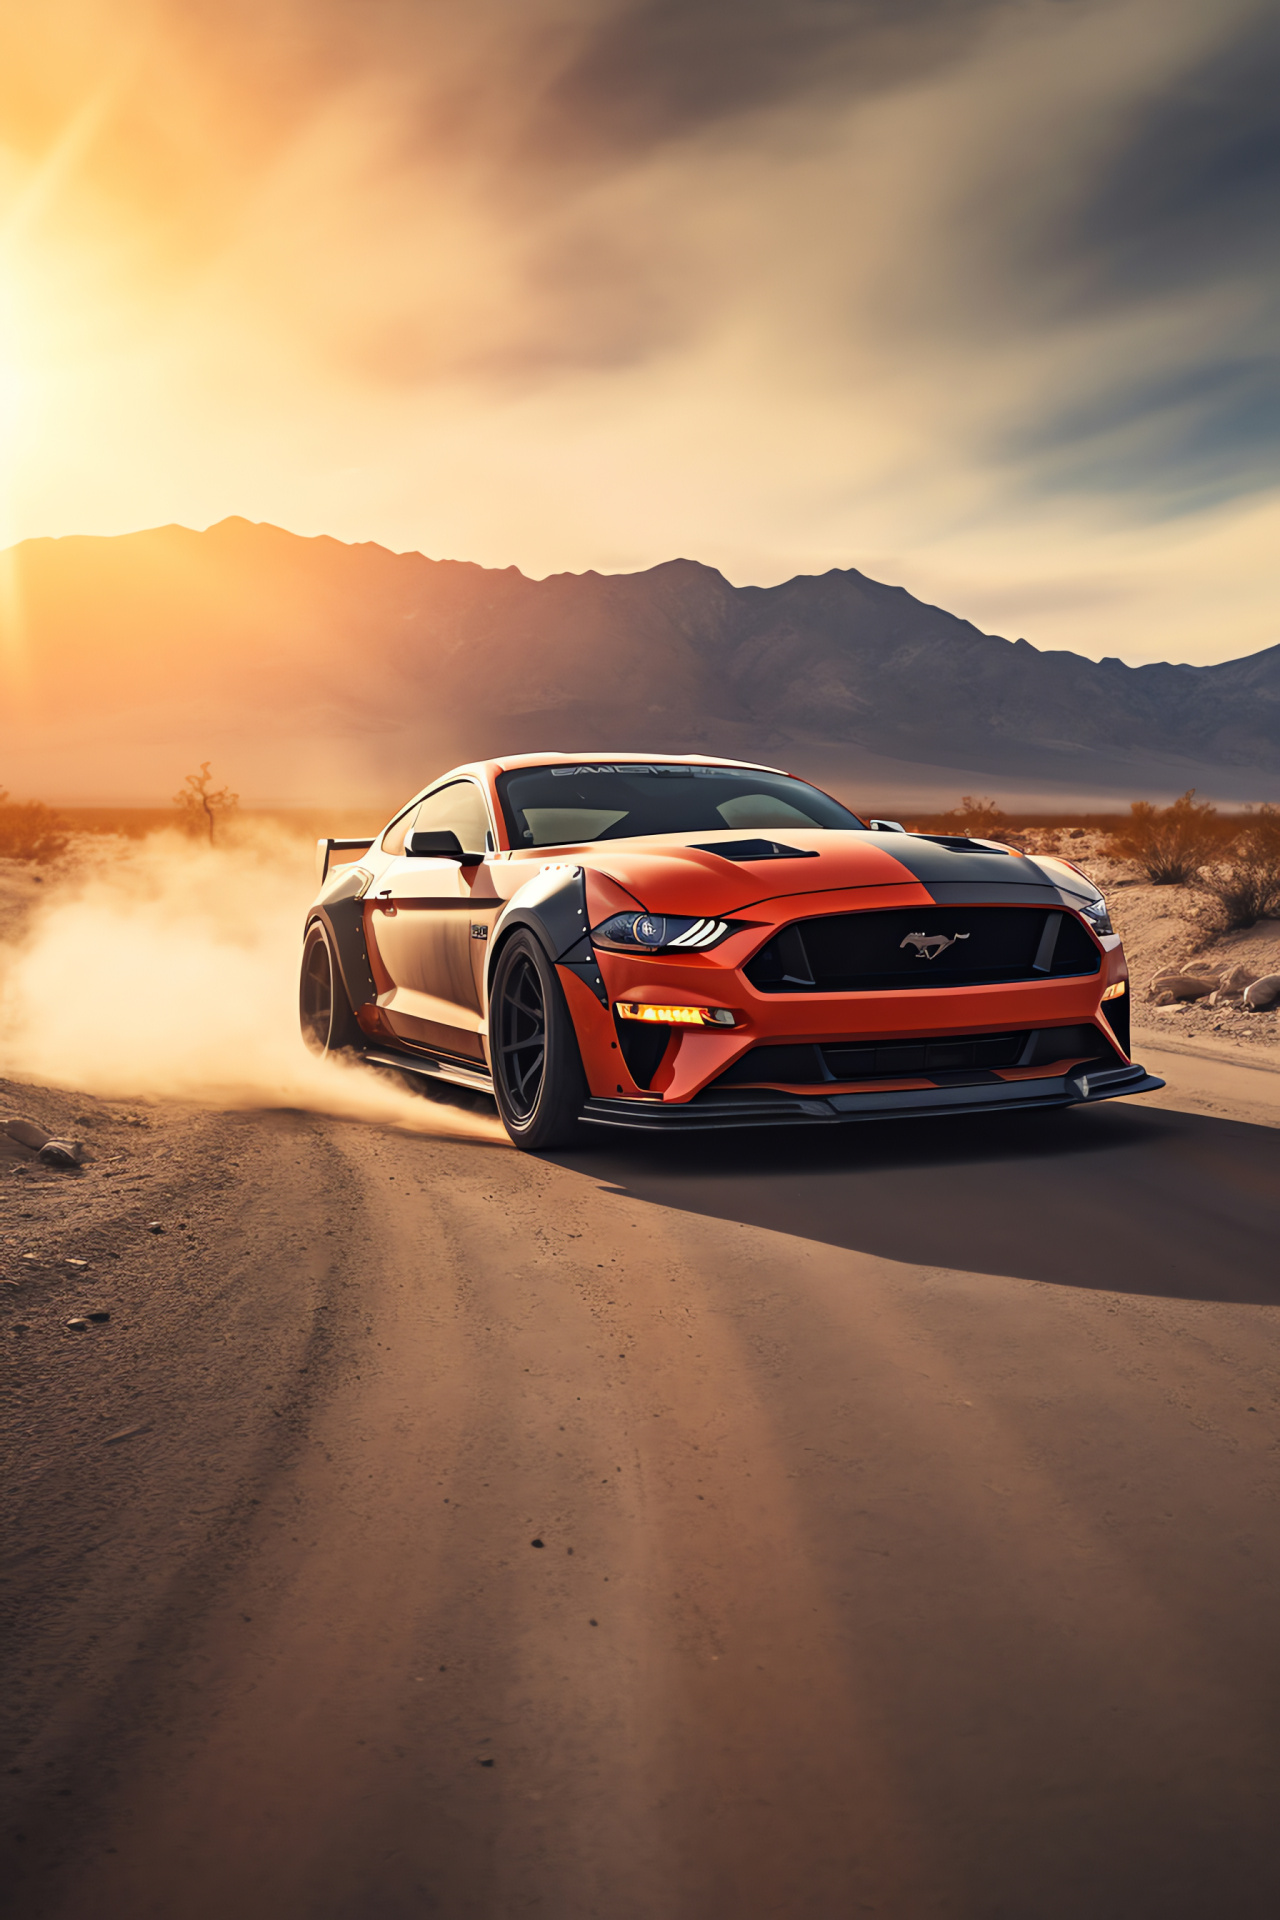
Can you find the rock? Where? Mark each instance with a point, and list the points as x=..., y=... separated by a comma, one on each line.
x=1185, y=986
x=1166, y=1000
x=1263, y=993
x=1239, y=978
x=26, y=1133
x=1165, y=975
x=61, y=1153
x=537, y=1543
x=155, y=1226
x=77, y=1264
x=14, y=1149
x=78, y=1325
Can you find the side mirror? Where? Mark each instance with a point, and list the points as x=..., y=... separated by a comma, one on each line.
x=887, y=826
x=437, y=846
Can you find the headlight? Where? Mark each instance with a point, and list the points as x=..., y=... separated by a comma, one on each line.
x=1095, y=912
x=648, y=932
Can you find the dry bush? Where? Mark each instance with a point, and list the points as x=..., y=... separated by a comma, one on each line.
x=1244, y=887
x=1170, y=844
x=30, y=831
x=979, y=818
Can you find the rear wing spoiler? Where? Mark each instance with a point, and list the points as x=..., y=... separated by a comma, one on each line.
x=326, y=850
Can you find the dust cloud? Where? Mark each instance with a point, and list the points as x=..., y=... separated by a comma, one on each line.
x=168, y=969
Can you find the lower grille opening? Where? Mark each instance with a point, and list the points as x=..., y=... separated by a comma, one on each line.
x=942, y=1058
x=642, y=1044
x=1116, y=1015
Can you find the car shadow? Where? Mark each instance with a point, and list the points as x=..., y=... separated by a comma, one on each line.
x=1120, y=1199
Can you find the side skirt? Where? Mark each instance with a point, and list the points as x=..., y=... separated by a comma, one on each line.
x=435, y=1067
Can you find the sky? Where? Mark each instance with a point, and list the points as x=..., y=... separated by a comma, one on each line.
x=978, y=296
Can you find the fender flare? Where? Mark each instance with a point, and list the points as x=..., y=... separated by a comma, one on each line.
x=553, y=906
x=342, y=914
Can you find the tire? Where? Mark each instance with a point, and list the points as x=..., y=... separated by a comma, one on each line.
x=538, y=1080
x=324, y=1011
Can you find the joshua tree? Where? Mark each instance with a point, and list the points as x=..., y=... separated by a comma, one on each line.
x=200, y=806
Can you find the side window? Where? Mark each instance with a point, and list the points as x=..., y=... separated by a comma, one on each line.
x=458, y=808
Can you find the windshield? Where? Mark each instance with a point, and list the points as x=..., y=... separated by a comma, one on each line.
x=558, y=806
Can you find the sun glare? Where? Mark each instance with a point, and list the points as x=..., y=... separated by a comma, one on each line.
x=13, y=424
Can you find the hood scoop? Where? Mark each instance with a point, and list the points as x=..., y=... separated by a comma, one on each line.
x=960, y=843
x=757, y=850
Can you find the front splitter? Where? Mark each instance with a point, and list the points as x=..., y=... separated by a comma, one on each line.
x=712, y=1111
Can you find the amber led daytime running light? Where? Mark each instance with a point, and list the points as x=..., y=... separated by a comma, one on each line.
x=1115, y=991
x=674, y=1016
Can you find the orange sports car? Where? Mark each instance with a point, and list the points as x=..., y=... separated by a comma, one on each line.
x=631, y=941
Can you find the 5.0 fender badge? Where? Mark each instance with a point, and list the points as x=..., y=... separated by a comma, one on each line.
x=929, y=945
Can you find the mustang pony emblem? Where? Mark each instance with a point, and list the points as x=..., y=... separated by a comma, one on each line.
x=929, y=945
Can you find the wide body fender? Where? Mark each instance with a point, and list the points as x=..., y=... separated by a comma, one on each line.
x=341, y=909
x=553, y=906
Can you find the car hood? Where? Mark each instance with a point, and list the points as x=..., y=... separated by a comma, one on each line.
x=716, y=873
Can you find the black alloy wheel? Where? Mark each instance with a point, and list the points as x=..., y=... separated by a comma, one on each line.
x=328, y=1024
x=537, y=1070
x=523, y=1038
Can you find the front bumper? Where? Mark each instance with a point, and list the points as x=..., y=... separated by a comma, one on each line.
x=747, y=1107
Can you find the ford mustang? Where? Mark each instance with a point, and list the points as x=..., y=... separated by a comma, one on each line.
x=688, y=943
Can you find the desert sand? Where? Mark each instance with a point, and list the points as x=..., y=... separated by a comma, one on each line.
x=878, y=1522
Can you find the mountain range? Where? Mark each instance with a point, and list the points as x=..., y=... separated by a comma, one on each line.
x=307, y=669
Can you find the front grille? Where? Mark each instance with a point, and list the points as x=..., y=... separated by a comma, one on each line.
x=923, y=947
x=941, y=1058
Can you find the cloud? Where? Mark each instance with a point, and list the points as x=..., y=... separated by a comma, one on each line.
x=1193, y=187
x=589, y=282
x=649, y=72
x=1173, y=225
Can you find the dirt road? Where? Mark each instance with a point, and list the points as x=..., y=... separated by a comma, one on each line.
x=809, y=1526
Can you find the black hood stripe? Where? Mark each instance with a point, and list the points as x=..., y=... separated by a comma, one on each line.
x=996, y=876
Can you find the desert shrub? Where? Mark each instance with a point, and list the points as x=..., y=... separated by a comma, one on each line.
x=30, y=831
x=1243, y=887
x=980, y=818
x=1170, y=844
x=200, y=806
